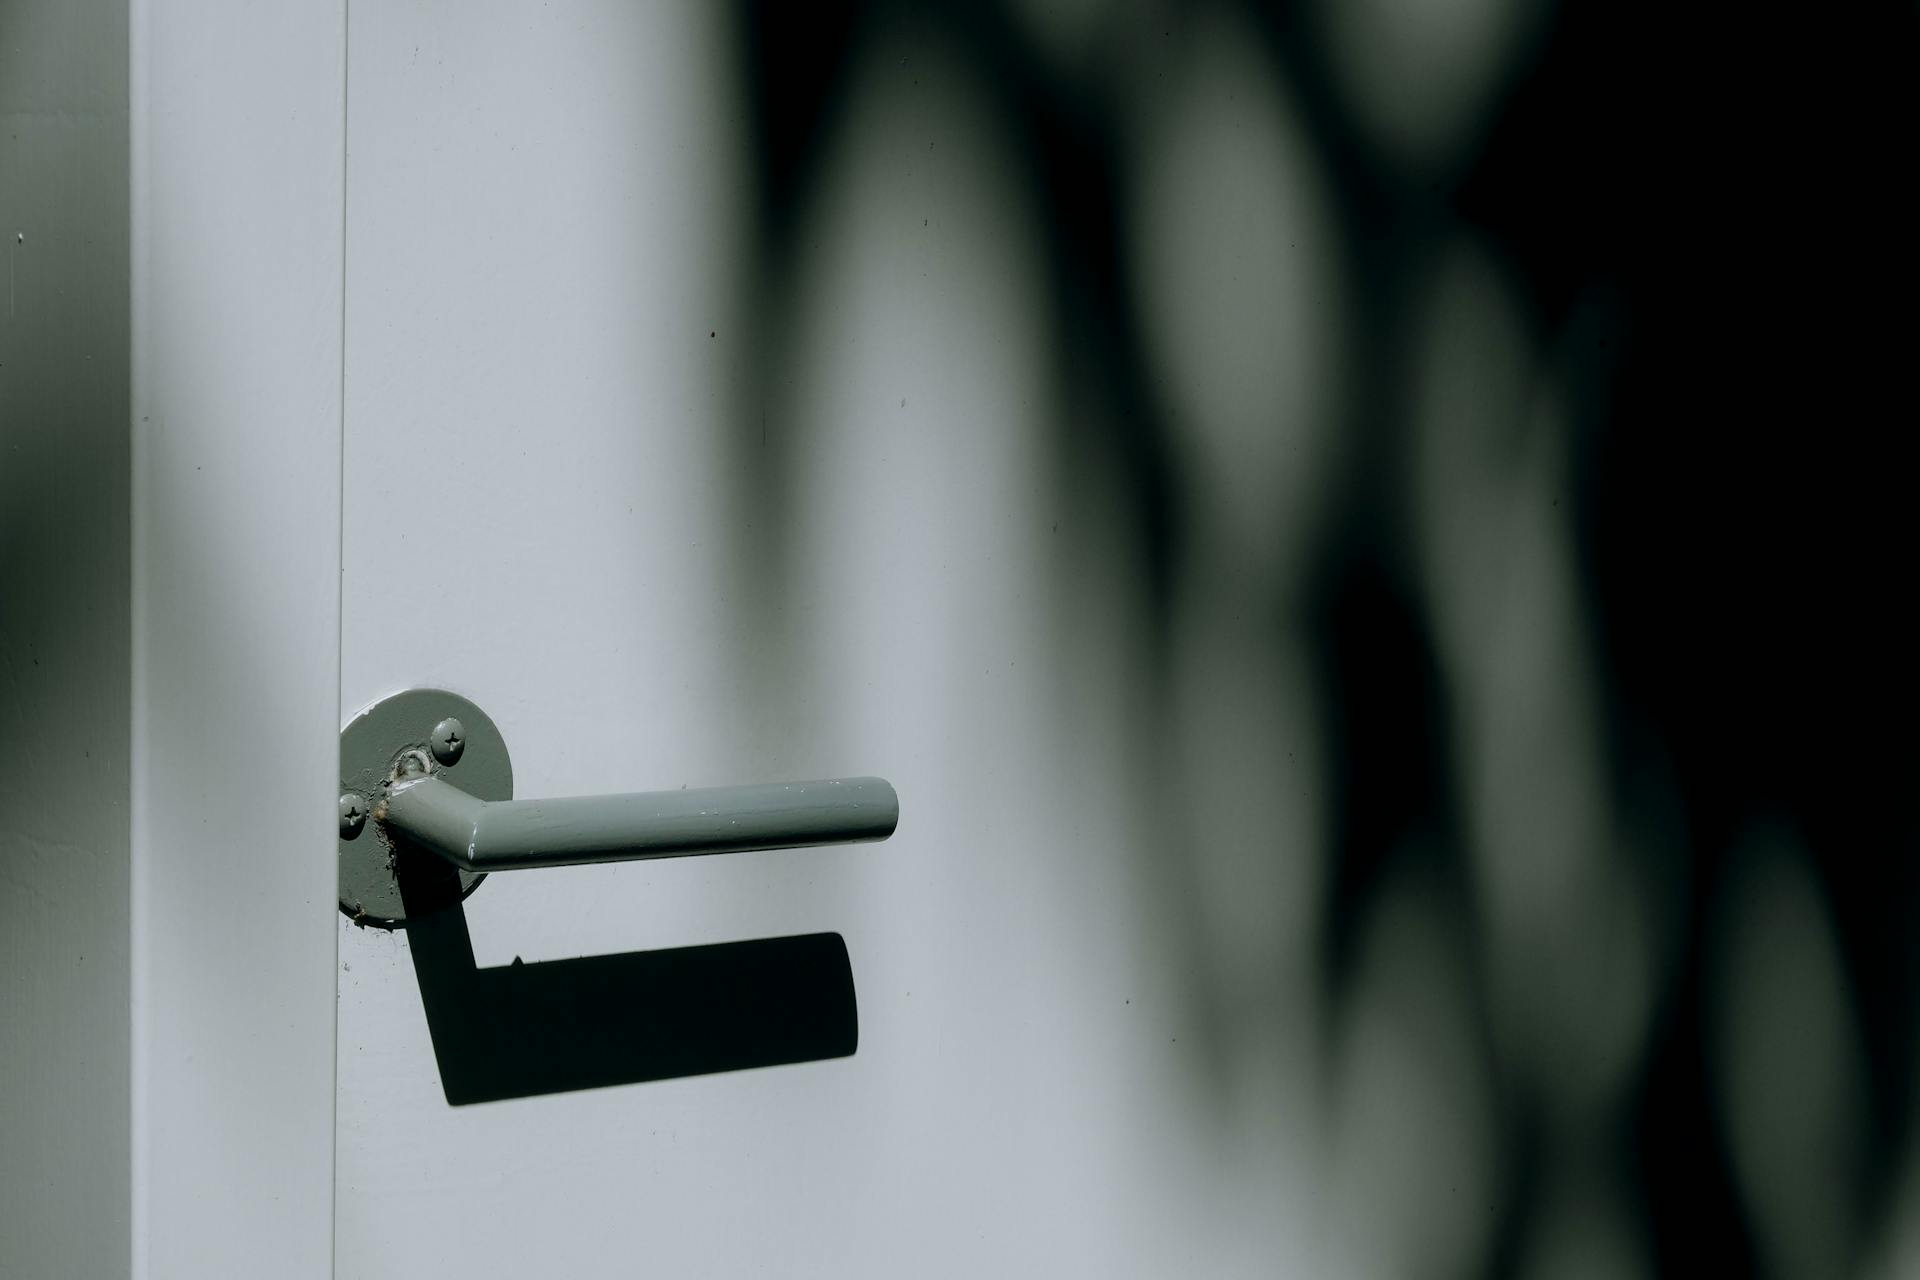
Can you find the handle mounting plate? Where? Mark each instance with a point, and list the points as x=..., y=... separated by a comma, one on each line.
x=394, y=733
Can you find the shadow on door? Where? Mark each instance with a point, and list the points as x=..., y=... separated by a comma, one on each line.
x=523, y=1030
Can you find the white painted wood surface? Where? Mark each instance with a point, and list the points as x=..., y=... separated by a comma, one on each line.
x=549, y=341
x=236, y=321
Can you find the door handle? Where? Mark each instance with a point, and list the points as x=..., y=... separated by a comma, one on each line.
x=506, y=835
x=428, y=771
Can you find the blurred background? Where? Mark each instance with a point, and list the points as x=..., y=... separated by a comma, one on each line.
x=1484, y=428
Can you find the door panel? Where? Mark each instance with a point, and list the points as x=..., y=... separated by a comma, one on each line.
x=670, y=524
x=234, y=188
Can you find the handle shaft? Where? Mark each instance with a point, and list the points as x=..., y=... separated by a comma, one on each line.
x=504, y=835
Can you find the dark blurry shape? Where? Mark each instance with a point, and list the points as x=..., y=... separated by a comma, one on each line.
x=524, y=1030
x=797, y=58
x=1704, y=218
x=1784, y=1050
x=66, y=654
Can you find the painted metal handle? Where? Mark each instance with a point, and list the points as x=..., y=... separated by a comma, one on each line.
x=504, y=835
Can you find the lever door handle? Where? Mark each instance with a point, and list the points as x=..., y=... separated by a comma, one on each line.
x=505, y=835
x=428, y=770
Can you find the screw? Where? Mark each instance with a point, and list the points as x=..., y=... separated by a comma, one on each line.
x=353, y=815
x=449, y=740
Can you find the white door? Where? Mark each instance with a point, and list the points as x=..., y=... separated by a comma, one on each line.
x=668, y=525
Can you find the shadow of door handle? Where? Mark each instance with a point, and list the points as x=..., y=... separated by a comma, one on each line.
x=552, y=1026
x=426, y=810
x=506, y=835
x=426, y=772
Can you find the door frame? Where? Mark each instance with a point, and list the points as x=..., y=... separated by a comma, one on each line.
x=237, y=142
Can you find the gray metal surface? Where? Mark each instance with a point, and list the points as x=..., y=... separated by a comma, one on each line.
x=449, y=740
x=399, y=729
x=353, y=814
x=432, y=771
x=477, y=835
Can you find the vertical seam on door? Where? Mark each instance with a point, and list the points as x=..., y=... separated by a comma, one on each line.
x=340, y=616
